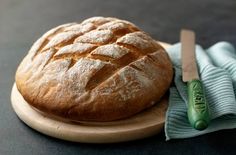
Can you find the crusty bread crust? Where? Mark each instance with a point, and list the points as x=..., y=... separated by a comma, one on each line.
x=102, y=69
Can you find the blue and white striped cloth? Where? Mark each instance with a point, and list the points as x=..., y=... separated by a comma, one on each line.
x=217, y=68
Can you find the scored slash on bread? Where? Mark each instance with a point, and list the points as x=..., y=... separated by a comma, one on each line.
x=102, y=69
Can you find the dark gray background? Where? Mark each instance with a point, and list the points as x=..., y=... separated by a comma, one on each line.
x=23, y=21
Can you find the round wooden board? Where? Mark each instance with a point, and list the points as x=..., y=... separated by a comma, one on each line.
x=144, y=124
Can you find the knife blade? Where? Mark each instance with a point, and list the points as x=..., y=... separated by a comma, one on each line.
x=198, y=113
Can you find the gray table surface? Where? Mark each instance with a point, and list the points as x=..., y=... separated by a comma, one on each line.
x=23, y=21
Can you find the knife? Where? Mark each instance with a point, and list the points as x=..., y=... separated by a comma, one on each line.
x=198, y=113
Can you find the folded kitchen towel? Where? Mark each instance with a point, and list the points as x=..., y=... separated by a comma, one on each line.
x=217, y=69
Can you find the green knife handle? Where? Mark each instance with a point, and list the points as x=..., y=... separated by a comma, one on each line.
x=198, y=113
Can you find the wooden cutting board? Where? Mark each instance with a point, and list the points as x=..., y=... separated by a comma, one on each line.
x=144, y=124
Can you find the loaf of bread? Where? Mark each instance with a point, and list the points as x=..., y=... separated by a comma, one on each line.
x=102, y=69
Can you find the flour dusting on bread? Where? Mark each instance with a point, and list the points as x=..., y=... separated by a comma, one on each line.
x=101, y=69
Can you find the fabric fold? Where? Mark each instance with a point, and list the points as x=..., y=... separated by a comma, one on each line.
x=218, y=86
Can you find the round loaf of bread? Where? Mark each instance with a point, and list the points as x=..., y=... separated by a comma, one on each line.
x=102, y=69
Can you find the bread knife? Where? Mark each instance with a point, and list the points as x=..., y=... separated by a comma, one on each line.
x=198, y=113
